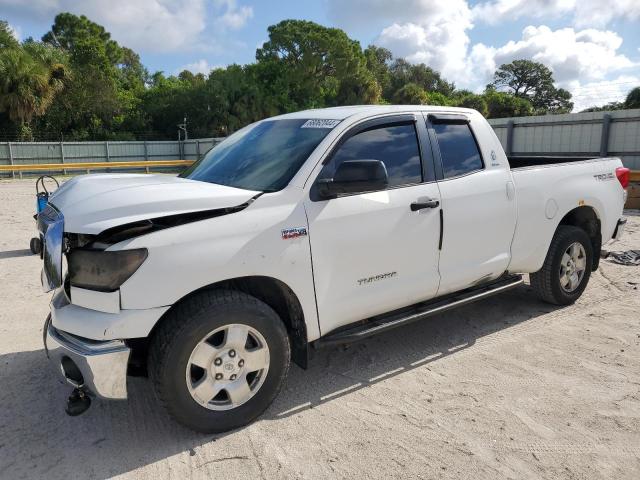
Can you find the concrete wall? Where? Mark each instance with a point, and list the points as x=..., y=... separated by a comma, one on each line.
x=615, y=133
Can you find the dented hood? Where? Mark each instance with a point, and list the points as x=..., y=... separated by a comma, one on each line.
x=93, y=203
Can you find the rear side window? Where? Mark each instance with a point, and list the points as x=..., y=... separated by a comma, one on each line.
x=458, y=149
x=395, y=145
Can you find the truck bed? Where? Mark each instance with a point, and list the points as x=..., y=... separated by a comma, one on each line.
x=521, y=161
x=550, y=186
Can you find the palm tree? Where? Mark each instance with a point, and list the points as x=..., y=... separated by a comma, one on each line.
x=7, y=38
x=30, y=77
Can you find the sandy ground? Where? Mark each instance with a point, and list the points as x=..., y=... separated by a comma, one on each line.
x=507, y=388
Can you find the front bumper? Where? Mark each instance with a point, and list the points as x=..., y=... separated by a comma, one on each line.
x=99, y=367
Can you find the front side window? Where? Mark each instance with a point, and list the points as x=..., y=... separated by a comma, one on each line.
x=262, y=157
x=395, y=145
x=458, y=149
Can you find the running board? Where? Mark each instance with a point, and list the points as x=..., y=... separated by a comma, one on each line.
x=397, y=318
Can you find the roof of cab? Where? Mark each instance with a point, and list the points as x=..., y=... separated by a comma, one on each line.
x=340, y=113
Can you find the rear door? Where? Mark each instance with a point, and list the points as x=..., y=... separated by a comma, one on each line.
x=478, y=202
x=371, y=252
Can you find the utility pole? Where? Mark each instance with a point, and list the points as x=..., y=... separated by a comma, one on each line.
x=182, y=127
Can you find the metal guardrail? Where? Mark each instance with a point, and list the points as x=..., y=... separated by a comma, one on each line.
x=147, y=164
x=72, y=153
x=88, y=166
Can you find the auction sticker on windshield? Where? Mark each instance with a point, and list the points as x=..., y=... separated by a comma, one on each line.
x=320, y=123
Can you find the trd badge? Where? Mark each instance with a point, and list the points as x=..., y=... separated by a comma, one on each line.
x=289, y=233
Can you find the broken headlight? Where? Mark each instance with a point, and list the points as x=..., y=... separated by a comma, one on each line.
x=103, y=270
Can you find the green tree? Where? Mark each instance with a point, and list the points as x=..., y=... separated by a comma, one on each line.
x=501, y=104
x=633, y=99
x=104, y=96
x=378, y=60
x=605, y=108
x=321, y=66
x=80, y=81
x=69, y=31
x=7, y=40
x=533, y=81
x=411, y=94
x=437, y=98
x=403, y=73
x=30, y=77
x=476, y=102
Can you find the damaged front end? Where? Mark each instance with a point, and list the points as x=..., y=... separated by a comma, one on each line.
x=86, y=334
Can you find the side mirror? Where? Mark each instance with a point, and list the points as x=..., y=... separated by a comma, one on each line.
x=355, y=176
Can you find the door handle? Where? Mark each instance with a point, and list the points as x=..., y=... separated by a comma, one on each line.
x=428, y=203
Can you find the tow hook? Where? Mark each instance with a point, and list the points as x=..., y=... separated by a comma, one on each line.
x=77, y=403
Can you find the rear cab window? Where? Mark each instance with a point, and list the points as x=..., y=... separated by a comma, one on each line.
x=459, y=150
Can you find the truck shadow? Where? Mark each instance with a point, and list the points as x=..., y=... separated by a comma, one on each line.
x=112, y=438
x=16, y=253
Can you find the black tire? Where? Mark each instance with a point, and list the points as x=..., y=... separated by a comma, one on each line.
x=35, y=246
x=546, y=281
x=181, y=330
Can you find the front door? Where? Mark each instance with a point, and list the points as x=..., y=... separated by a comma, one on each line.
x=372, y=252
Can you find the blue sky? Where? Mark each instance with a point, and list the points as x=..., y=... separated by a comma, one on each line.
x=593, y=48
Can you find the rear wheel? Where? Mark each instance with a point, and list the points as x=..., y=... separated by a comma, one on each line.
x=567, y=267
x=218, y=360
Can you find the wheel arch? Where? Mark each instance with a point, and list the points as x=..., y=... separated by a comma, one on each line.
x=275, y=293
x=586, y=218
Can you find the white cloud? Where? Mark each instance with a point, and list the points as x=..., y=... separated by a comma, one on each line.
x=146, y=25
x=441, y=42
x=588, y=55
x=497, y=11
x=597, y=94
x=234, y=17
x=585, y=62
x=199, y=66
x=595, y=13
x=592, y=13
x=15, y=31
x=435, y=32
x=357, y=12
x=423, y=31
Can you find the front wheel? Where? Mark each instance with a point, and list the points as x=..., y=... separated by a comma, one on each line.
x=567, y=267
x=218, y=360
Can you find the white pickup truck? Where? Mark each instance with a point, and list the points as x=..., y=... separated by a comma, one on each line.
x=302, y=230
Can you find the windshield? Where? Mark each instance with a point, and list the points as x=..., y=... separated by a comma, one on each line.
x=264, y=156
